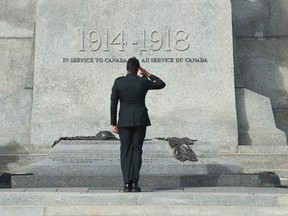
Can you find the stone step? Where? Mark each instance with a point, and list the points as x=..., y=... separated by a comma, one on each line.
x=282, y=173
x=182, y=201
x=152, y=181
x=256, y=162
x=140, y=210
x=259, y=162
x=284, y=181
x=263, y=149
x=4, y=169
x=8, y=158
x=6, y=161
x=248, y=197
x=257, y=156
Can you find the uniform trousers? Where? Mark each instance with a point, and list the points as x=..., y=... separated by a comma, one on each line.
x=131, y=139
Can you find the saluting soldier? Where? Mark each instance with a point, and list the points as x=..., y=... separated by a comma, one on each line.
x=133, y=119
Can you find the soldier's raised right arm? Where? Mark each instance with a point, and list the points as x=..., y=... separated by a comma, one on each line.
x=154, y=82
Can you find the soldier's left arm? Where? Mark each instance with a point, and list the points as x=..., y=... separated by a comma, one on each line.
x=114, y=104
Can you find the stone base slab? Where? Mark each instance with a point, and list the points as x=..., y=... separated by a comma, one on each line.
x=78, y=163
x=150, y=181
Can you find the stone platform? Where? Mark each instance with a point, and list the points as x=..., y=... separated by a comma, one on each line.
x=180, y=201
x=257, y=159
x=88, y=163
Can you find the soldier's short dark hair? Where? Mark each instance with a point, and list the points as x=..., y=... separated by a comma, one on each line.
x=133, y=65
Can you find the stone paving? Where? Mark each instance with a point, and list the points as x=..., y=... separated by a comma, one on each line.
x=174, y=201
x=214, y=190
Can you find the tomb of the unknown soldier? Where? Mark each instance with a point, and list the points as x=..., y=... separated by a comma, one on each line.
x=219, y=122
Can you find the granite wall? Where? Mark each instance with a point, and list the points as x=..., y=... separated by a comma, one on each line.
x=261, y=41
x=17, y=20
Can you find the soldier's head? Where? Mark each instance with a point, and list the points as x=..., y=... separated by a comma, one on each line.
x=133, y=65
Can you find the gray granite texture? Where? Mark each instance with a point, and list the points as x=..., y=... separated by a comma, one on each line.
x=262, y=158
x=251, y=18
x=260, y=33
x=256, y=197
x=263, y=66
x=16, y=73
x=187, y=202
x=256, y=123
x=261, y=18
x=88, y=163
x=17, y=18
x=102, y=157
x=150, y=166
x=281, y=118
x=72, y=98
x=147, y=181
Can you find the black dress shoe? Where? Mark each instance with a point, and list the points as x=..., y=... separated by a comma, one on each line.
x=135, y=187
x=127, y=188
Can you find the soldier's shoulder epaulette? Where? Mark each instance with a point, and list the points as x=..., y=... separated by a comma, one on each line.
x=119, y=77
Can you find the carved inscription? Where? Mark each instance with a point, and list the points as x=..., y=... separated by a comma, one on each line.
x=100, y=42
x=77, y=160
x=143, y=60
x=95, y=40
x=93, y=160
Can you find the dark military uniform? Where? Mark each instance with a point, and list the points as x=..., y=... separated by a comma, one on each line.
x=131, y=90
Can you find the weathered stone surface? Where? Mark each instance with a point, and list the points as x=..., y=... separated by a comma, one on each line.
x=282, y=201
x=263, y=69
x=162, y=166
x=281, y=118
x=257, y=159
x=39, y=190
x=262, y=63
x=279, y=17
x=154, y=198
x=237, y=180
x=13, y=162
x=21, y=210
x=139, y=210
x=261, y=18
x=263, y=66
x=165, y=210
x=263, y=149
x=72, y=99
x=15, y=99
x=17, y=18
x=93, y=157
x=251, y=18
x=190, y=201
x=148, y=181
x=149, y=210
x=70, y=161
x=256, y=121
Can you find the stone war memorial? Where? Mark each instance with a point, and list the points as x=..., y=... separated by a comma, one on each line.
x=80, y=49
x=225, y=88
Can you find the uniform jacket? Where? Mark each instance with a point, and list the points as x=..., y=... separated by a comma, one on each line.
x=131, y=90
